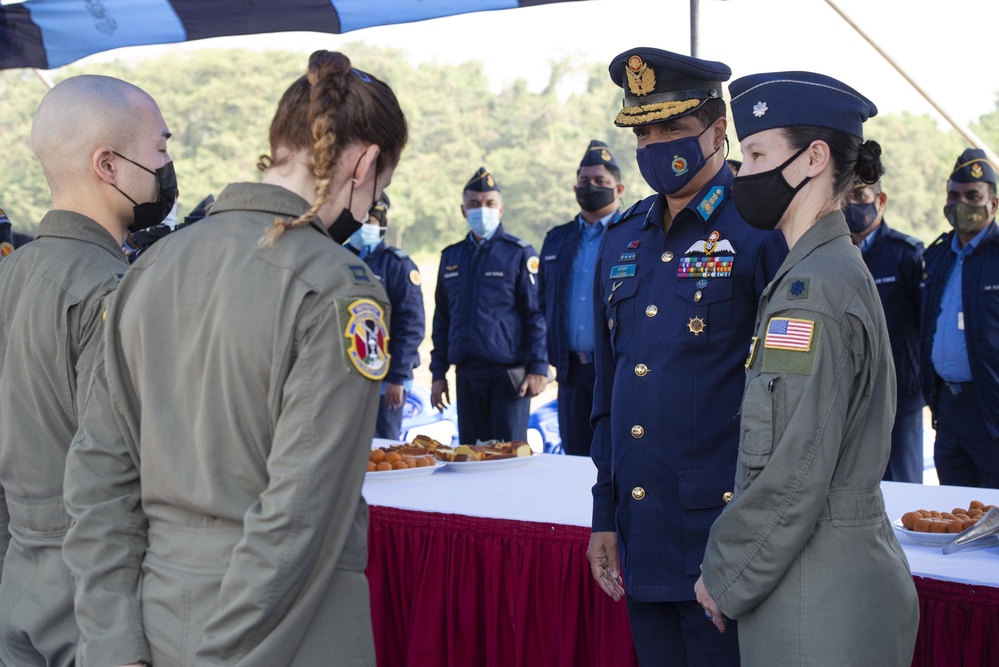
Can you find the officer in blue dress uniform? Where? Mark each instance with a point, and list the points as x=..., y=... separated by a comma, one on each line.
x=959, y=325
x=896, y=262
x=568, y=258
x=678, y=278
x=401, y=280
x=488, y=322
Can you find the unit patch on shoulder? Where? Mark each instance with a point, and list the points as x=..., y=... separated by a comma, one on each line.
x=359, y=274
x=367, y=339
x=532, y=264
x=790, y=345
x=414, y=277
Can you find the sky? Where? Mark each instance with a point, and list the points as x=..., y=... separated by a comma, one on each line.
x=945, y=47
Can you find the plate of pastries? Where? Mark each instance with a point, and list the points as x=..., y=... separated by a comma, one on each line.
x=936, y=527
x=391, y=460
x=486, y=456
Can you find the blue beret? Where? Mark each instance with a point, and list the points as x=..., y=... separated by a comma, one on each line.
x=973, y=167
x=660, y=84
x=482, y=181
x=379, y=209
x=788, y=99
x=596, y=154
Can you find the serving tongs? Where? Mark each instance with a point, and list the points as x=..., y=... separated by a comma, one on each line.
x=987, y=526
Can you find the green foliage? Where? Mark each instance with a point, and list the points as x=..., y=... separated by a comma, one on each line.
x=219, y=105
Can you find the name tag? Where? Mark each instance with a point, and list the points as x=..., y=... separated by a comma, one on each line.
x=549, y=258
x=960, y=321
x=622, y=271
x=990, y=288
x=494, y=274
x=452, y=274
x=886, y=280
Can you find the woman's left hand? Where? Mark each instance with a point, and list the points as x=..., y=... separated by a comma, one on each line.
x=711, y=609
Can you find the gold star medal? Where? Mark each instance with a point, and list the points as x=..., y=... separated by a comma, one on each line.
x=696, y=325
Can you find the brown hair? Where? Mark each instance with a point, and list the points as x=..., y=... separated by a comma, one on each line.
x=326, y=110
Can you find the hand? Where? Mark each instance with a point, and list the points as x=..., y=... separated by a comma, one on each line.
x=393, y=396
x=604, y=563
x=711, y=609
x=439, y=397
x=533, y=385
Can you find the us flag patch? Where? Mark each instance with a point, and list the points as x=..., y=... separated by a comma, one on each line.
x=785, y=333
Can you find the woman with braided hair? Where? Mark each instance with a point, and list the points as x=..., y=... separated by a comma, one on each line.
x=215, y=480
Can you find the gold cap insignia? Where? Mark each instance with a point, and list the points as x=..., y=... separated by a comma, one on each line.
x=976, y=171
x=605, y=155
x=489, y=180
x=641, y=78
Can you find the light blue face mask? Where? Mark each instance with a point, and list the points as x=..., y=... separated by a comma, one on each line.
x=367, y=235
x=483, y=221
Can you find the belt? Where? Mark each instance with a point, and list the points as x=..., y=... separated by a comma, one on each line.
x=583, y=358
x=957, y=388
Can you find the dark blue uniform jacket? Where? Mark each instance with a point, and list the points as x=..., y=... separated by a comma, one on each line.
x=408, y=322
x=896, y=263
x=980, y=300
x=675, y=315
x=487, y=316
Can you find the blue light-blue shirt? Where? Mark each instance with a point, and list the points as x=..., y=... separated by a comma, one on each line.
x=581, y=284
x=869, y=239
x=950, y=349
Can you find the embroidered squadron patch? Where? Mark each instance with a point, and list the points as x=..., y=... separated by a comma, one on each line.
x=532, y=264
x=679, y=165
x=414, y=277
x=5, y=249
x=367, y=339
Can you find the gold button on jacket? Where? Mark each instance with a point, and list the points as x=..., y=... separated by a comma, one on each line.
x=641, y=370
x=652, y=311
x=638, y=493
x=637, y=431
x=667, y=256
x=727, y=496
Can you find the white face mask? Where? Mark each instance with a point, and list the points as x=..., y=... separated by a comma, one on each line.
x=367, y=235
x=483, y=221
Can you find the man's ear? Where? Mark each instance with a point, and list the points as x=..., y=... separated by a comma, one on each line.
x=102, y=162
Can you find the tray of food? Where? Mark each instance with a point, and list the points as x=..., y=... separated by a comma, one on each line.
x=390, y=460
x=486, y=456
x=936, y=528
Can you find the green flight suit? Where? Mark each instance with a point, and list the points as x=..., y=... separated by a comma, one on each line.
x=51, y=300
x=804, y=555
x=215, y=482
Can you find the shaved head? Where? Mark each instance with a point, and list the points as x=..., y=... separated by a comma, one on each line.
x=80, y=115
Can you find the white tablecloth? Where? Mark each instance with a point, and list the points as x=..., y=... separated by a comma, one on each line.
x=556, y=489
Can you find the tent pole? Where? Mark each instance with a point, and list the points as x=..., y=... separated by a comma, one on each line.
x=965, y=133
x=695, y=20
x=43, y=77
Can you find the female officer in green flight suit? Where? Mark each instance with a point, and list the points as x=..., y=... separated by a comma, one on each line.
x=215, y=482
x=804, y=556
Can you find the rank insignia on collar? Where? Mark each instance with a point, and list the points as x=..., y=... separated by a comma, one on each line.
x=622, y=271
x=711, y=201
x=633, y=245
x=696, y=325
x=798, y=289
x=367, y=339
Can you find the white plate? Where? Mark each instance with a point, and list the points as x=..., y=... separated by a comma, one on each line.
x=488, y=466
x=934, y=539
x=392, y=475
x=385, y=442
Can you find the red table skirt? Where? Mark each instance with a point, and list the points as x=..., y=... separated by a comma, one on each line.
x=454, y=591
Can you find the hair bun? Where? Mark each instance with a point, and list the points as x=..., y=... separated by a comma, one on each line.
x=869, y=168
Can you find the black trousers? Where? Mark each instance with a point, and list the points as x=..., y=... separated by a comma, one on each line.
x=965, y=453
x=678, y=634
x=575, y=402
x=490, y=409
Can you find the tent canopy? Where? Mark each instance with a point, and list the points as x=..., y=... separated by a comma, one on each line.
x=46, y=34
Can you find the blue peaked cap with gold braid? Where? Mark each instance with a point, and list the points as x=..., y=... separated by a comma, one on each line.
x=659, y=84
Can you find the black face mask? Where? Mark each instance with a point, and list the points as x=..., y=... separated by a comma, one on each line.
x=593, y=197
x=761, y=199
x=345, y=224
x=860, y=216
x=154, y=212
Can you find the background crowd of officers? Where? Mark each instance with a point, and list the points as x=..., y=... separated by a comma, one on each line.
x=672, y=349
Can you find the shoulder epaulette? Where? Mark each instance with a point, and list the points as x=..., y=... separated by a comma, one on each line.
x=912, y=240
x=510, y=238
x=940, y=239
x=401, y=254
x=635, y=209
